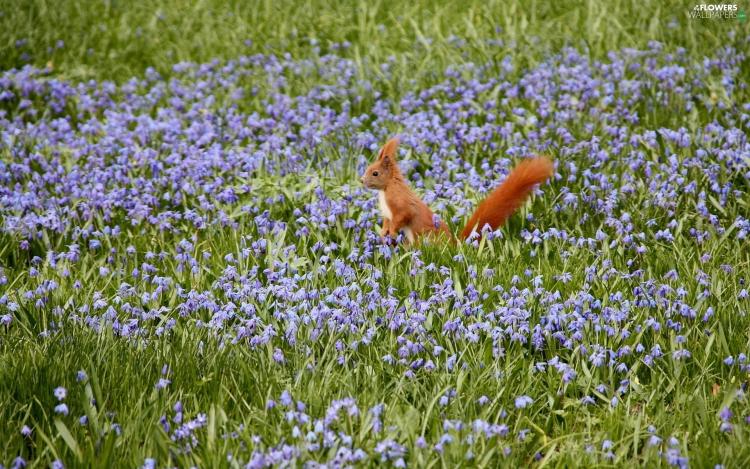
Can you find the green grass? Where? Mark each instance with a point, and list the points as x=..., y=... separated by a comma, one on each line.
x=232, y=384
x=117, y=39
x=111, y=40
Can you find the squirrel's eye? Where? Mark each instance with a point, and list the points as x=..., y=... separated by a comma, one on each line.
x=375, y=173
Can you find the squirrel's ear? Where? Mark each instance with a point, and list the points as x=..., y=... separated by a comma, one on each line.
x=389, y=149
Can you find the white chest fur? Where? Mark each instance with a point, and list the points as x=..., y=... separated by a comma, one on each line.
x=384, y=209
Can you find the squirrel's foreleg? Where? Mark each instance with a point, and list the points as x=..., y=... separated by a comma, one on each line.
x=386, y=226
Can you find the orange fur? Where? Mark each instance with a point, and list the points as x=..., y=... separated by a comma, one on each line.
x=510, y=195
x=403, y=209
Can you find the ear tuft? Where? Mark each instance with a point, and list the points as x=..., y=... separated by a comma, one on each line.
x=389, y=149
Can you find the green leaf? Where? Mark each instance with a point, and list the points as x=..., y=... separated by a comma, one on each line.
x=63, y=431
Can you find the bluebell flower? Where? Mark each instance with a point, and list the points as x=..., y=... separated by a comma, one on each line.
x=61, y=409
x=523, y=401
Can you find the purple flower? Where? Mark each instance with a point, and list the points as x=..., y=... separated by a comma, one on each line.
x=61, y=409
x=286, y=399
x=60, y=393
x=523, y=401
x=162, y=383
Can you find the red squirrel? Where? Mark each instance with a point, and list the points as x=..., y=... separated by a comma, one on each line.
x=402, y=209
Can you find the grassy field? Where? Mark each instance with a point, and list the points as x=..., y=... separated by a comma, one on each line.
x=191, y=273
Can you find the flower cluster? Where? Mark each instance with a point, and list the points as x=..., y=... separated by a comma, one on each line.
x=223, y=201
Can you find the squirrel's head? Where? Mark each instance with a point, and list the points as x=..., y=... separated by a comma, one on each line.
x=378, y=174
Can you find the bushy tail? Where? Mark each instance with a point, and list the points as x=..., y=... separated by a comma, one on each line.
x=509, y=195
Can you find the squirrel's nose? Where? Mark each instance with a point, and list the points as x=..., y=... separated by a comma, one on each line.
x=362, y=179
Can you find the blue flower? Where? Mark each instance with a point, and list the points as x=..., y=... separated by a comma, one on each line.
x=60, y=393
x=523, y=401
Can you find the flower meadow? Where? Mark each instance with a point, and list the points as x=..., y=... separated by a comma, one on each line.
x=192, y=274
